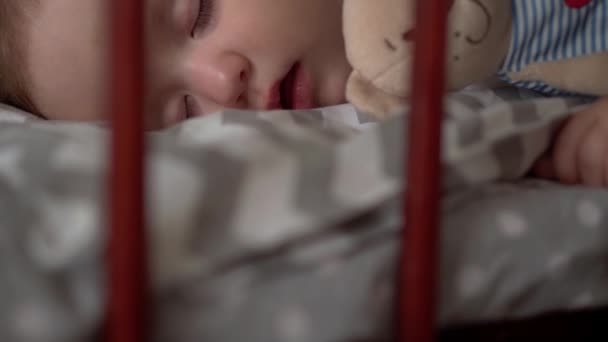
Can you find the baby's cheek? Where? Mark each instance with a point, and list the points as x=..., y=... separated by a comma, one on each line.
x=333, y=90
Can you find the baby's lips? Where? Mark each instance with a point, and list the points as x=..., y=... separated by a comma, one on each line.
x=274, y=97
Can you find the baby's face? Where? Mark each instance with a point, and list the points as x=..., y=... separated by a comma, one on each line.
x=203, y=55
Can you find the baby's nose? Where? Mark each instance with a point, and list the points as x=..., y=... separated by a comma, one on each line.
x=223, y=80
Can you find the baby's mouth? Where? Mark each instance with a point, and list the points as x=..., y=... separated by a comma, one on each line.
x=286, y=90
x=294, y=91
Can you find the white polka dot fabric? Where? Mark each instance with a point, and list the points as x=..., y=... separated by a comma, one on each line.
x=521, y=249
x=284, y=226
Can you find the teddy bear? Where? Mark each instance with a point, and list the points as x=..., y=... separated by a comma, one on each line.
x=551, y=46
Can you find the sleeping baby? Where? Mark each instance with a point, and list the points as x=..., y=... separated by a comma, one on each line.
x=206, y=55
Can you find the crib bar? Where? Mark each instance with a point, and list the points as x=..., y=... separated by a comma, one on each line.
x=127, y=311
x=421, y=205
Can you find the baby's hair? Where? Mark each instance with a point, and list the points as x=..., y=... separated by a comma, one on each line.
x=13, y=77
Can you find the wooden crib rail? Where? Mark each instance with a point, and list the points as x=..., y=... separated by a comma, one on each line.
x=419, y=253
x=127, y=277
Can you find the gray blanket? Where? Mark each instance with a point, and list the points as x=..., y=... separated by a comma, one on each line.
x=282, y=226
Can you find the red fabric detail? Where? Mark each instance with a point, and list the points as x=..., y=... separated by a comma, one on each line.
x=577, y=3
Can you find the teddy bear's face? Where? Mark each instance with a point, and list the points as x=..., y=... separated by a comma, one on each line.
x=379, y=40
x=479, y=37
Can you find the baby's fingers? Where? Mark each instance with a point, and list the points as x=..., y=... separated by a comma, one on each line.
x=545, y=168
x=568, y=145
x=591, y=159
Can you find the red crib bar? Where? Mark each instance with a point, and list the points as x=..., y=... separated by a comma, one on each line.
x=127, y=277
x=419, y=263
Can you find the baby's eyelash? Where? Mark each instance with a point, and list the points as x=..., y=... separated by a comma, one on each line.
x=205, y=13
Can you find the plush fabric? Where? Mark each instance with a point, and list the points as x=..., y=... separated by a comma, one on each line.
x=544, y=45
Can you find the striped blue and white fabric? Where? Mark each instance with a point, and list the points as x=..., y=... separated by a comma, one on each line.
x=549, y=30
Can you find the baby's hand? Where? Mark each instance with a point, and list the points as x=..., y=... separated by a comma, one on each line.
x=580, y=153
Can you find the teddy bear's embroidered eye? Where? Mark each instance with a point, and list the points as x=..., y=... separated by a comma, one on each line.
x=390, y=45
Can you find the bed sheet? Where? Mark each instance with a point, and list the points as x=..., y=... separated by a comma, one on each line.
x=286, y=222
